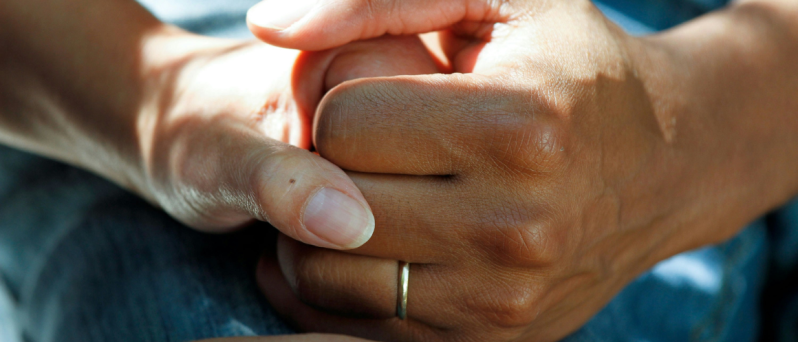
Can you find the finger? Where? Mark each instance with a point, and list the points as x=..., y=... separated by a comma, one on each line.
x=437, y=220
x=305, y=318
x=367, y=287
x=384, y=56
x=318, y=25
x=225, y=173
x=443, y=303
x=414, y=217
x=417, y=125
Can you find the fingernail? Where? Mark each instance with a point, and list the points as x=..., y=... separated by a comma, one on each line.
x=338, y=218
x=279, y=14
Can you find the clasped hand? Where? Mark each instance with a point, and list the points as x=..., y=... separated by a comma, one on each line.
x=518, y=186
x=528, y=158
x=531, y=166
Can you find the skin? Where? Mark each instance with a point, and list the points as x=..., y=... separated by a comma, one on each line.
x=525, y=191
x=213, y=131
x=562, y=160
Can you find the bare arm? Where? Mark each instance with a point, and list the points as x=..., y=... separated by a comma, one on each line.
x=73, y=81
x=726, y=89
x=214, y=131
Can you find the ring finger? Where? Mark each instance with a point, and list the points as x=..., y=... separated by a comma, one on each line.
x=366, y=287
x=304, y=317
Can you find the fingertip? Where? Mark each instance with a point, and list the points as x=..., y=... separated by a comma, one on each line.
x=272, y=282
x=265, y=25
x=279, y=14
x=266, y=34
x=311, y=25
x=295, y=25
x=292, y=39
x=339, y=219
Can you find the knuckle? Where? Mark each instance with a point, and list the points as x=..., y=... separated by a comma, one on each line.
x=530, y=247
x=523, y=242
x=530, y=135
x=538, y=147
x=276, y=160
x=331, y=110
x=509, y=306
x=548, y=145
x=266, y=173
x=279, y=182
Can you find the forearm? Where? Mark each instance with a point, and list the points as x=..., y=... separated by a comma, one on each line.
x=731, y=114
x=72, y=80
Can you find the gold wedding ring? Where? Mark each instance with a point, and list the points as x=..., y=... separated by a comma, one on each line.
x=401, y=298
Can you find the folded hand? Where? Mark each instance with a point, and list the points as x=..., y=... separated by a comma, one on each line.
x=224, y=140
x=525, y=190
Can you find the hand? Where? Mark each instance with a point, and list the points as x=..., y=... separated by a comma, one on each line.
x=525, y=192
x=216, y=143
x=211, y=130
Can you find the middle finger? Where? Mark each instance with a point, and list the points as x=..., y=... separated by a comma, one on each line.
x=414, y=217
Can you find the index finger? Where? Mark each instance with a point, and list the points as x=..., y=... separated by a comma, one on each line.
x=417, y=125
x=318, y=25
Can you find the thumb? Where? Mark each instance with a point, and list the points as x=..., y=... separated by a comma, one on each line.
x=308, y=198
x=223, y=174
x=323, y=24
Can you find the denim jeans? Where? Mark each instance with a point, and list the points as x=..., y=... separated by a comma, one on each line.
x=83, y=260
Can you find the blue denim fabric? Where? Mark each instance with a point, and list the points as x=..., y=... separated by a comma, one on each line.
x=82, y=260
x=662, y=14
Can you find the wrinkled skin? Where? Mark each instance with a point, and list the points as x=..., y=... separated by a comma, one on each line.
x=222, y=146
x=214, y=131
x=526, y=190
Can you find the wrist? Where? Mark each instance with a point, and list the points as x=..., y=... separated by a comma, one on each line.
x=167, y=55
x=724, y=85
